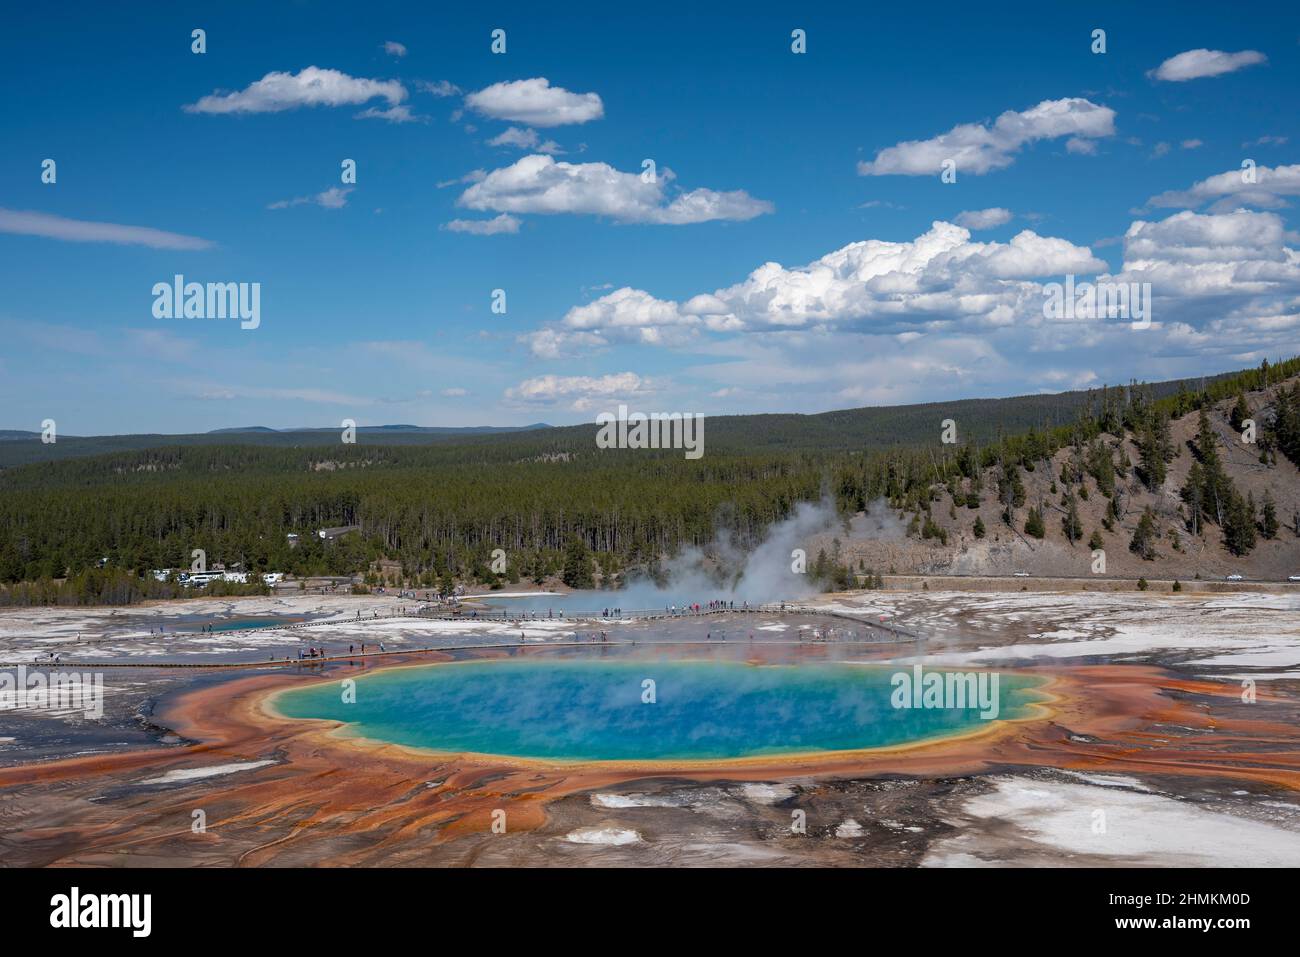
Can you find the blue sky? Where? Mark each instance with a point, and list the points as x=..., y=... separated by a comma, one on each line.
x=376, y=296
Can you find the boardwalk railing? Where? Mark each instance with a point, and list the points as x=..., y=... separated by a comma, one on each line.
x=435, y=613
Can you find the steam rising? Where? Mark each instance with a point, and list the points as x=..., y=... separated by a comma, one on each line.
x=728, y=571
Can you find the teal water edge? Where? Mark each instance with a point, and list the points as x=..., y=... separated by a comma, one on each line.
x=598, y=710
x=242, y=624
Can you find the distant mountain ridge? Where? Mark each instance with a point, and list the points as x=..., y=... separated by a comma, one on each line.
x=418, y=429
x=980, y=420
x=19, y=447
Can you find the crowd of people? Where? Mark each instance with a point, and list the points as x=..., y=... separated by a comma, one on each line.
x=718, y=604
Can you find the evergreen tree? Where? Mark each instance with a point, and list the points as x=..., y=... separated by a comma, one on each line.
x=1011, y=490
x=1239, y=524
x=1070, y=523
x=821, y=567
x=979, y=530
x=1108, y=419
x=1155, y=450
x=1282, y=430
x=1143, y=543
x=1101, y=466
x=1193, y=495
x=1208, y=485
x=1240, y=412
x=577, y=565
x=1268, y=523
x=1034, y=523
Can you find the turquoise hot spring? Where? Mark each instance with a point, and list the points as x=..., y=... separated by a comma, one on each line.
x=578, y=709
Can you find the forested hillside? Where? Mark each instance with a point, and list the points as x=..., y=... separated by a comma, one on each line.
x=556, y=503
x=1172, y=489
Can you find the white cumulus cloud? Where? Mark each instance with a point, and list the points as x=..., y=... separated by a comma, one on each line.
x=442, y=88
x=1227, y=282
x=525, y=139
x=539, y=184
x=1210, y=253
x=536, y=103
x=940, y=277
x=1259, y=186
x=311, y=86
x=580, y=392
x=1194, y=64
x=977, y=148
x=983, y=218
x=943, y=316
x=504, y=223
x=333, y=198
x=393, y=114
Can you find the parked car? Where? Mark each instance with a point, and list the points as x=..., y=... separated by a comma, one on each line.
x=1235, y=578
